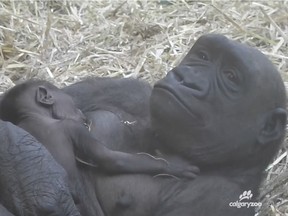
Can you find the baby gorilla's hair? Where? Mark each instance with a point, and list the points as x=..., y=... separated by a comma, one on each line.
x=9, y=107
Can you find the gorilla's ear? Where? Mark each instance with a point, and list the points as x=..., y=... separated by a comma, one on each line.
x=273, y=127
x=43, y=96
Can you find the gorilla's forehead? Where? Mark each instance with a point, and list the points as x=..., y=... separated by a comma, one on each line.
x=221, y=43
x=233, y=52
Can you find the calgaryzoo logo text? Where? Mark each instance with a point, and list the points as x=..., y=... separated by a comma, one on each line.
x=243, y=201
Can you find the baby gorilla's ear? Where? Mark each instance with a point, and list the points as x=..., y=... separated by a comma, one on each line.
x=43, y=96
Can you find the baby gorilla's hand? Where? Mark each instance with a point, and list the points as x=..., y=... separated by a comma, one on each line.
x=180, y=170
x=175, y=167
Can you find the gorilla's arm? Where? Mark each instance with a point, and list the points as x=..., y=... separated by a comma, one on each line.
x=121, y=162
x=31, y=182
x=4, y=211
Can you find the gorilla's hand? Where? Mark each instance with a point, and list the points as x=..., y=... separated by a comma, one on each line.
x=175, y=166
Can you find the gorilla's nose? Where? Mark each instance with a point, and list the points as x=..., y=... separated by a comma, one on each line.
x=192, y=78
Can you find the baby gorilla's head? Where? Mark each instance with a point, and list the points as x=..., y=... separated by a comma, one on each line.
x=38, y=97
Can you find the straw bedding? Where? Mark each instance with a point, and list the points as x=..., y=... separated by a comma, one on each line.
x=63, y=41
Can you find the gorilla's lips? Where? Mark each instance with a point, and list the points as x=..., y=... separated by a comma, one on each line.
x=175, y=94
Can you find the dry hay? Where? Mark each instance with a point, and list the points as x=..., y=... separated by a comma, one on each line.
x=64, y=41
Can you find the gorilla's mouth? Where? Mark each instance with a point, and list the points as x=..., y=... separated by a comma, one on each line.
x=178, y=98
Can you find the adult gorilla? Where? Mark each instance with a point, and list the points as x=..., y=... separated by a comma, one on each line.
x=222, y=108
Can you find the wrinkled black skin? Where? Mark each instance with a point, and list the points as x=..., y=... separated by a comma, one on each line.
x=22, y=191
x=213, y=109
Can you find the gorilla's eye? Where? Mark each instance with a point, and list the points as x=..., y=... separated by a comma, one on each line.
x=231, y=76
x=202, y=55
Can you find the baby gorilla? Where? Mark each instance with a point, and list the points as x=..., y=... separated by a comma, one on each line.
x=51, y=116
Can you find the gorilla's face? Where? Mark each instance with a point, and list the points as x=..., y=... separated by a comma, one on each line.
x=214, y=103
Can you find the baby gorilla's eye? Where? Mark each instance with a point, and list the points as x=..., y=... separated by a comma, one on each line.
x=231, y=76
x=202, y=55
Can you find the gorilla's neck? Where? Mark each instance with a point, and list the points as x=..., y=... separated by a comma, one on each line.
x=243, y=172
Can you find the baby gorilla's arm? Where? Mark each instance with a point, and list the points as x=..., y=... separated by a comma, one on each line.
x=120, y=162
